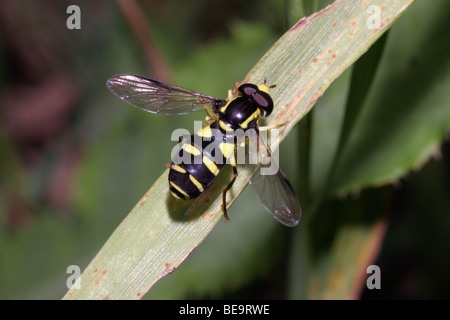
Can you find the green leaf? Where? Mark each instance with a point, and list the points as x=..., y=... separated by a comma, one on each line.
x=403, y=120
x=406, y=113
x=156, y=236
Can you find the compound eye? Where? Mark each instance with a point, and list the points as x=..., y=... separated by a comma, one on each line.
x=265, y=102
x=248, y=89
x=261, y=100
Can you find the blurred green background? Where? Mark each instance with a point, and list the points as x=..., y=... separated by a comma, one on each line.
x=67, y=178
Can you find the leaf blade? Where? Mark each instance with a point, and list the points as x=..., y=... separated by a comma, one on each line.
x=156, y=237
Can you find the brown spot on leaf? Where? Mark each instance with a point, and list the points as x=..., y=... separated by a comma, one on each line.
x=169, y=269
x=144, y=199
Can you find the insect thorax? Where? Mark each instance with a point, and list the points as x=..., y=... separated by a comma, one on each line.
x=240, y=113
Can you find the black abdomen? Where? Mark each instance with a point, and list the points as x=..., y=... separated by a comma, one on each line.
x=194, y=168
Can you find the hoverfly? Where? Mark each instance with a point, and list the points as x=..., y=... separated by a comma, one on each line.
x=187, y=180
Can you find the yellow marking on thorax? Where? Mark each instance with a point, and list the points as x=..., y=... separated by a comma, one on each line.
x=255, y=115
x=225, y=106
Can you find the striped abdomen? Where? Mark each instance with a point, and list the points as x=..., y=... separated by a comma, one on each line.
x=195, y=167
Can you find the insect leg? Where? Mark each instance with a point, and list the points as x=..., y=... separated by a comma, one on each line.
x=210, y=113
x=275, y=126
x=224, y=192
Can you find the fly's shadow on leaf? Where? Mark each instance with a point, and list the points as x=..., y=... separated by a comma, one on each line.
x=188, y=210
x=177, y=208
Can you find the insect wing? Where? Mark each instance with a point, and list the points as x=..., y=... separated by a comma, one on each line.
x=157, y=96
x=275, y=191
x=278, y=197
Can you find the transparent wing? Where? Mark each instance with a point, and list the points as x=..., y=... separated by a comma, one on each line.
x=278, y=197
x=274, y=190
x=157, y=96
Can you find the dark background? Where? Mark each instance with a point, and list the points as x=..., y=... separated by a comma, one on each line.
x=74, y=159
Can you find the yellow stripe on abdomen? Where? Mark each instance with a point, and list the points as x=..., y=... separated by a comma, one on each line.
x=197, y=183
x=191, y=149
x=211, y=165
x=178, y=168
x=181, y=191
